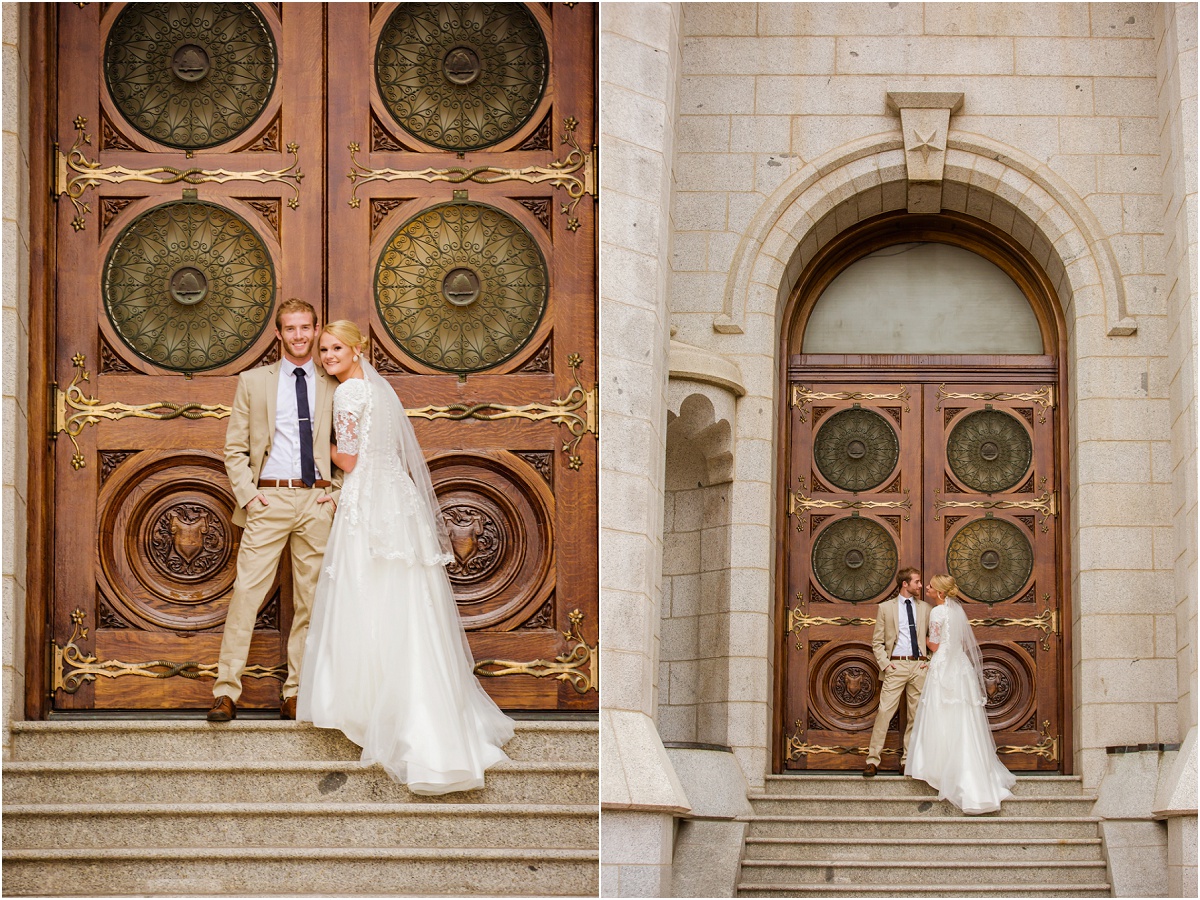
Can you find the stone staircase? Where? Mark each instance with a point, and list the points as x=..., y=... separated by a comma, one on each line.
x=269, y=807
x=847, y=836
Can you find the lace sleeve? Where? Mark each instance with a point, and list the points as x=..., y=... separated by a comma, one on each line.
x=937, y=625
x=348, y=403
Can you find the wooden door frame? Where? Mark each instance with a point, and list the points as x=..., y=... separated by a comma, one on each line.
x=39, y=581
x=999, y=248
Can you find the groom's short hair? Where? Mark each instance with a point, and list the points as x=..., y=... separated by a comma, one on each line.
x=294, y=305
x=904, y=575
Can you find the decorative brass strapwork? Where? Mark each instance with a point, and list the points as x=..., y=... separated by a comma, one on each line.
x=579, y=666
x=1043, y=398
x=802, y=396
x=1047, y=747
x=576, y=174
x=577, y=411
x=71, y=669
x=1046, y=504
x=797, y=745
x=73, y=411
x=799, y=504
x=798, y=620
x=76, y=174
x=1047, y=622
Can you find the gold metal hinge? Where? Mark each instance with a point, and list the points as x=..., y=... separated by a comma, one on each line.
x=75, y=175
x=576, y=174
x=578, y=665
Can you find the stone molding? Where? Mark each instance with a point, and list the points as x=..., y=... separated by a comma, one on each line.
x=691, y=363
x=765, y=269
x=636, y=773
x=925, y=127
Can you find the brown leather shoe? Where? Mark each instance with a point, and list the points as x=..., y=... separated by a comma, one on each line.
x=287, y=709
x=222, y=710
x=870, y=770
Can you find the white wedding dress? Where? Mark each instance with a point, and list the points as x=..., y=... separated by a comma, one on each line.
x=387, y=661
x=952, y=745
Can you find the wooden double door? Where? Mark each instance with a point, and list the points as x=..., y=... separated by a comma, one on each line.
x=945, y=474
x=423, y=169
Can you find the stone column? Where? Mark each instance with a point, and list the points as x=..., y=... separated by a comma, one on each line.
x=640, y=793
x=16, y=354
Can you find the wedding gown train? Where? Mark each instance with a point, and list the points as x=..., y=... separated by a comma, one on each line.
x=387, y=661
x=952, y=745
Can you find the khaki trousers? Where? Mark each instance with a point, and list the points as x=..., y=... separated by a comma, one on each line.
x=903, y=676
x=293, y=517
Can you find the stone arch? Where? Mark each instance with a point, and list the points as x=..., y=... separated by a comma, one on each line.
x=983, y=178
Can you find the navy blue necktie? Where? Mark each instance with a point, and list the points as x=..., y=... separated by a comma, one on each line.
x=308, y=469
x=912, y=629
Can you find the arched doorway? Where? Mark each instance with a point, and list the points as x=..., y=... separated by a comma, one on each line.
x=922, y=377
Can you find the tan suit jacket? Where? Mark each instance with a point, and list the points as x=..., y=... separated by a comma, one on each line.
x=252, y=429
x=883, y=641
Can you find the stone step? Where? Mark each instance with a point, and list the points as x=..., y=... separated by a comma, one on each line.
x=833, y=804
x=272, y=781
x=446, y=824
x=927, y=872
x=321, y=872
x=978, y=828
x=893, y=785
x=1029, y=849
x=249, y=739
x=1005, y=889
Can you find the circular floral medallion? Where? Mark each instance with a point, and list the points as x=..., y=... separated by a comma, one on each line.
x=461, y=76
x=461, y=287
x=189, y=286
x=991, y=559
x=190, y=75
x=856, y=449
x=854, y=559
x=989, y=451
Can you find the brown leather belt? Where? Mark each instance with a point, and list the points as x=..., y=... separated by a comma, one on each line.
x=909, y=658
x=290, y=483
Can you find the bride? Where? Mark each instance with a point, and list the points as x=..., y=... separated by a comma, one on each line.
x=387, y=660
x=952, y=745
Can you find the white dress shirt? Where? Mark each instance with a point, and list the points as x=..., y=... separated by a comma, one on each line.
x=903, y=644
x=283, y=462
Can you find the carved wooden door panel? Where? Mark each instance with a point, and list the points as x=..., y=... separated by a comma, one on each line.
x=460, y=150
x=957, y=478
x=166, y=288
x=186, y=216
x=991, y=501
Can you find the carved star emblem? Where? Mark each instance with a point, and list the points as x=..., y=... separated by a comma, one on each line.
x=926, y=145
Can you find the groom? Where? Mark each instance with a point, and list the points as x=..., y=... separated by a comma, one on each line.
x=899, y=645
x=277, y=459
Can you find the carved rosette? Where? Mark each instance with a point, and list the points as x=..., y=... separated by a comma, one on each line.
x=166, y=544
x=461, y=287
x=1008, y=681
x=500, y=515
x=189, y=286
x=844, y=686
x=190, y=75
x=991, y=559
x=989, y=450
x=461, y=76
x=854, y=559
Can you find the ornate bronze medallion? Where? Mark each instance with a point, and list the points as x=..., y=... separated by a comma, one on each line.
x=856, y=449
x=989, y=451
x=189, y=286
x=190, y=75
x=991, y=559
x=854, y=559
x=461, y=76
x=461, y=287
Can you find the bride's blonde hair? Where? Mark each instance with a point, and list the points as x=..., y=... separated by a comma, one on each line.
x=944, y=584
x=348, y=333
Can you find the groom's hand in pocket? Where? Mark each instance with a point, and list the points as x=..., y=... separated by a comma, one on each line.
x=328, y=498
x=261, y=498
